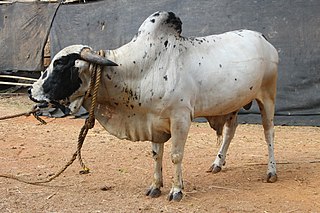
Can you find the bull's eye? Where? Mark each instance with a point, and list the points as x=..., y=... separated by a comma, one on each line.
x=60, y=62
x=57, y=62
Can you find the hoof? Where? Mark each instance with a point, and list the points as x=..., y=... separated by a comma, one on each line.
x=271, y=178
x=176, y=196
x=153, y=192
x=214, y=169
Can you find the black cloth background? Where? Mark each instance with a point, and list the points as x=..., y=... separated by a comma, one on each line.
x=24, y=29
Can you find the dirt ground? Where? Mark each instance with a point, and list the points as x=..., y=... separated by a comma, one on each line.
x=121, y=171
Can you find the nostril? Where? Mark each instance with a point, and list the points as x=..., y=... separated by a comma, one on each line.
x=29, y=90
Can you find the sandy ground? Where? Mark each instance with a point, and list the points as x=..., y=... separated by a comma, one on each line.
x=121, y=171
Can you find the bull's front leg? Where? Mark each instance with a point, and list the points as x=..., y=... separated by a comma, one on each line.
x=179, y=131
x=157, y=154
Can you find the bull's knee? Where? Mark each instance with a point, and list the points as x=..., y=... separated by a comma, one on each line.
x=176, y=158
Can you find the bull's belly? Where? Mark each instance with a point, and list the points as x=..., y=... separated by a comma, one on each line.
x=220, y=108
x=224, y=102
x=134, y=126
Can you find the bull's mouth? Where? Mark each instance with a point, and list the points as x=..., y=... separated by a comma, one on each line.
x=37, y=101
x=62, y=105
x=34, y=99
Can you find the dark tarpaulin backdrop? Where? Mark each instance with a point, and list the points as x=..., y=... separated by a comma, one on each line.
x=24, y=29
x=292, y=26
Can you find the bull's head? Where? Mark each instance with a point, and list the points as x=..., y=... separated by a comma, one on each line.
x=67, y=78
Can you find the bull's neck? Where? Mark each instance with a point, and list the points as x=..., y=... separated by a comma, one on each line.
x=141, y=51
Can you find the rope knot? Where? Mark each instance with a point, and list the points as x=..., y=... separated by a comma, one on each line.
x=90, y=121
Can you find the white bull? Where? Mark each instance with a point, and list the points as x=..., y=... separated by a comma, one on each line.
x=163, y=81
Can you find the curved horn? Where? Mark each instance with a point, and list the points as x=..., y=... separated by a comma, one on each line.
x=88, y=55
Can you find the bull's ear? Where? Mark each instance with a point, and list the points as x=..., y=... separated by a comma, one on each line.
x=89, y=56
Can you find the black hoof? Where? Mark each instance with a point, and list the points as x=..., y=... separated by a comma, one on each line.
x=153, y=192
x=271, y=178
x=214, y=169
x=177, y=196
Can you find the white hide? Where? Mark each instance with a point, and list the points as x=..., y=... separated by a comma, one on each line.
x=213, y=77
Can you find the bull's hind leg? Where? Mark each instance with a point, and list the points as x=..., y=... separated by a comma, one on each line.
x=157, y=183
x=228, y=133
x=266, y=105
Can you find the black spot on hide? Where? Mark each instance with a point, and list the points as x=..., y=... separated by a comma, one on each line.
x=154, y=153
x=156, y=14
x=165, y=77
x=64, y=80
x=251, y=87
x=166, y=43
x=108, y=76
x=239, y=35
x=220, y=65
x=145, y=55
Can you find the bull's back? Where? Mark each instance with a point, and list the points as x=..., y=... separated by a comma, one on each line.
x=229, y=70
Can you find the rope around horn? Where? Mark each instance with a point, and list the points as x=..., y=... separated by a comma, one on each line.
x=89, y=124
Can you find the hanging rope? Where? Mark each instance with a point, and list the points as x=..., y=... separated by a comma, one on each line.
x=89, y=123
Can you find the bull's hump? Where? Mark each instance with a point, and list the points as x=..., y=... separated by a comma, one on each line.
x=161, y=22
